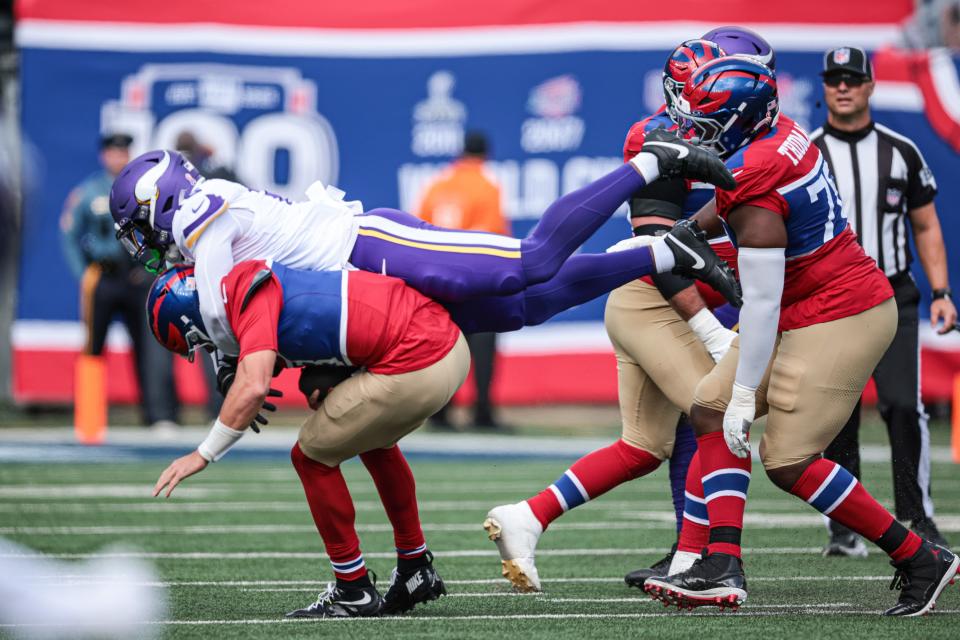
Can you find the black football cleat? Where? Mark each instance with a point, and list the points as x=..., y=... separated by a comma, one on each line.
x=844, y=543
x=921, y=578
x=695, y=259
x=677, y=157
x=659, y=568
x=927, y=529
x=716, y=579
x=412, y=588
x=364, y=602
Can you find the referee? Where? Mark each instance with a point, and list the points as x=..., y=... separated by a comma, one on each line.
x=886, y=188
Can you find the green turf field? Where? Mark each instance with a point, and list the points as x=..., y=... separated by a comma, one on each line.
x=236, y=549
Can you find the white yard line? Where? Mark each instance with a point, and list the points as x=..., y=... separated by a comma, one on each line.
x=299, y=506
x=301, y=585
x=462, y=553
x=701, y=612
x=641, y=520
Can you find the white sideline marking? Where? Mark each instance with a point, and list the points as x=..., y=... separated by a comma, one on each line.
x=309, y=555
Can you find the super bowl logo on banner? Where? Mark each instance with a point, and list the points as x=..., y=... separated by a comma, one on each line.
x=260, y=121
x=554, y=128
x=438, y=119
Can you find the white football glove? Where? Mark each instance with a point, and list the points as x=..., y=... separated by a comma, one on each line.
x=737, y=420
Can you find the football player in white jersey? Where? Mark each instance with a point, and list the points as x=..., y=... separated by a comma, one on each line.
x=160, y=200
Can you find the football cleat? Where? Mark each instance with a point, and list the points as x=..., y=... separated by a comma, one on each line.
x=411, y=588
x=335, y=602
x=845, y=543
x=695, y=259
x=921, y=578
x=679, y=158
x=716, y=579
x=659, y=568
x=515, y=530
x=927, y=529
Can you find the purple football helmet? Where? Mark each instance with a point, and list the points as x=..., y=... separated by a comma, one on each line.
x=740, y=40
x=143, y=200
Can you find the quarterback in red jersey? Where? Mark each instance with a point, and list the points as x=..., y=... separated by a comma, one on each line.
x=413, y=357
x=817, y=316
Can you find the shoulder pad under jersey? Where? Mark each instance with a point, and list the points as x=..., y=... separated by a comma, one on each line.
x=258, y=280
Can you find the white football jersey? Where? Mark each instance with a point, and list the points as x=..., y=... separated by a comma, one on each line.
x=223, y=223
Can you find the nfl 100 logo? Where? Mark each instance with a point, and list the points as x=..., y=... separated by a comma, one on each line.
x=262, y=122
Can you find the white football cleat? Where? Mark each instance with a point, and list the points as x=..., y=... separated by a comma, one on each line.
x=516, y=531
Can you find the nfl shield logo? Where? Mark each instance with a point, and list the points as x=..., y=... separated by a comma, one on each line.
x=893, y=196
x=841, y=56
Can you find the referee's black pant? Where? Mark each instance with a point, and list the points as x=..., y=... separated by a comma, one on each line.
x=898, y=389
x=108, y=291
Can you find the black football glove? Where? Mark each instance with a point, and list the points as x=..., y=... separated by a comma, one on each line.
x=227, y=373
x=677, y=157
x=322, y=377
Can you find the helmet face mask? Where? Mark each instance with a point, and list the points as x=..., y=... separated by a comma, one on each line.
x=728, y=103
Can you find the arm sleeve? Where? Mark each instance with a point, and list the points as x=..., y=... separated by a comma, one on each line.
x=922, y=187
x=256, y=324
x=214, y=260
x=761, y=276
x=71, y=226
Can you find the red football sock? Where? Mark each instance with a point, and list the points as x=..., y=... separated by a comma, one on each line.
x=333, y=513
x=834, y=491
x=695, y=532
x=398, y=493
x=592, y=475
x=726, y=479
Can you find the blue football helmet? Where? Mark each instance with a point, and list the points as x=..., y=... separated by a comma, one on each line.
x=173, y=311
x=689, y=56
x=727, y=103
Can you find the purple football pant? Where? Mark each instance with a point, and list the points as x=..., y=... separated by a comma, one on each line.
x=581, y=279
x=452, y=265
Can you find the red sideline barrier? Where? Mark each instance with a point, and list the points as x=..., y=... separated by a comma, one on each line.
x=42, y=377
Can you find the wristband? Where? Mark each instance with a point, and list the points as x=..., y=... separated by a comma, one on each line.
x=218, y=441
x=945, y=293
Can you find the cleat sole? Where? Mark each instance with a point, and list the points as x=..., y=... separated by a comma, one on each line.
x=517, y=577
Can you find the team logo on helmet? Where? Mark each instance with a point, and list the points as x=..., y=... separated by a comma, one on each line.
x=728, y=102
x=841, y=55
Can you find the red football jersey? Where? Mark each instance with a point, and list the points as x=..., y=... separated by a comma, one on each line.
x=310, y=316
x=828, y=276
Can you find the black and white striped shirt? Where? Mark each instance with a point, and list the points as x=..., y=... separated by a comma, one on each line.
x=881, y=176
